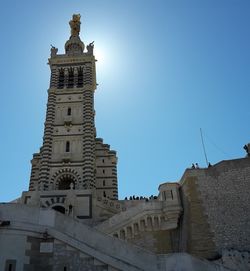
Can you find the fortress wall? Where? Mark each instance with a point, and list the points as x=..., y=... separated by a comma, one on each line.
x=216, y=208
x=196, y=236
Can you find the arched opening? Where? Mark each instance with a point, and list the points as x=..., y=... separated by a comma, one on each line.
x=61, y=79
x=80, y=77
x=59, y=208
x=65, y=181
x=70, y=78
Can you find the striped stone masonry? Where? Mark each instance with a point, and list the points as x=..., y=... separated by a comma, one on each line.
x=70, y=152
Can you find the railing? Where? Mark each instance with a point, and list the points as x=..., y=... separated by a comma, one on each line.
x=146, y=216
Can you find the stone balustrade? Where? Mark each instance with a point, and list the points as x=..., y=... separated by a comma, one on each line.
x=146, y=216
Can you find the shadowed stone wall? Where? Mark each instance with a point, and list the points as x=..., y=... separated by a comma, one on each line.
x=39, y=260
x=53, y=255
x=160, y=242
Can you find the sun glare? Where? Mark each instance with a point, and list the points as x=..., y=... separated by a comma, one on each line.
x=99, y=55
x=103, y=58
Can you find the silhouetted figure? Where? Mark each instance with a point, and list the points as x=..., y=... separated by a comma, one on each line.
x=247, y=150
x=126, y=198
x=193, y=166
x=70, y=210
x=196, y=165
x=45, y=234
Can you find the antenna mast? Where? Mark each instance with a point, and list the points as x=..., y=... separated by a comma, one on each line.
x=203, y=145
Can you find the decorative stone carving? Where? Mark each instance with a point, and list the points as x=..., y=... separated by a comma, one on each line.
x=53, y=51
x=90, y=48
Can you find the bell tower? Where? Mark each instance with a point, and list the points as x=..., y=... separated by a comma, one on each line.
x=71, y=156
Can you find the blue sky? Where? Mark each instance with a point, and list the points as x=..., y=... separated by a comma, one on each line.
x=165, y=69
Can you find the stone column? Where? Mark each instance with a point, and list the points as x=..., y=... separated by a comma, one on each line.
x=47, y=141
x=88, y=139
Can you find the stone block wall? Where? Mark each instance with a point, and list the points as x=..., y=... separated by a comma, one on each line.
x=52, y=255
x=159, y=242
x=216, y=208
x=196, y=236
x=39, y=260
x=106, y=171
x=69, y=259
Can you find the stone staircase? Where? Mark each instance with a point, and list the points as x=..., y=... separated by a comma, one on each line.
x=146, y=216
x=111, y=253
x=91, y=249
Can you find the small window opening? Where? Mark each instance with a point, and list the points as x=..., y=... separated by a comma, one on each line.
x=69, y=111
x=103, y=183
x=67, y=146
x=104, y=194
x=103, y=171
x=103, y=160
x=10, y=265
x=64, y=268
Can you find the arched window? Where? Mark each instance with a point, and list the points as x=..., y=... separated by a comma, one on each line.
x=69, y=111
x=67, y=149
x=61, y=78
x=71, y=78
x=80, y=77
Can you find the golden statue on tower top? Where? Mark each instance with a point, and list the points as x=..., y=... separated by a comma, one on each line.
x=75, y=24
